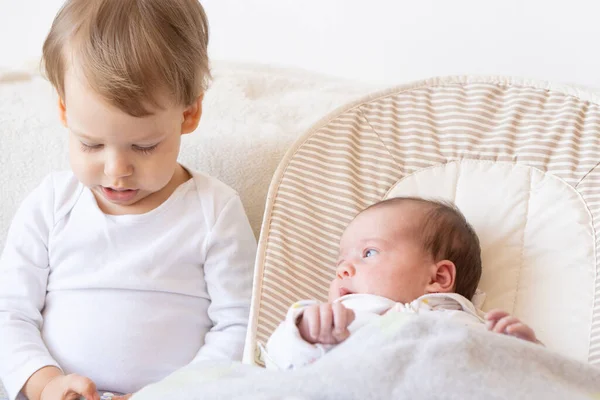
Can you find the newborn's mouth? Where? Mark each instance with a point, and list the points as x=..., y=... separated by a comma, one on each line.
x=344, y=291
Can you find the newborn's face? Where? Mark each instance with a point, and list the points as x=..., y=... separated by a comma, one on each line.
x=380, y=255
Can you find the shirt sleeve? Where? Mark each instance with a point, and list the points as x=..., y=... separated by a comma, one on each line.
x=24, y=270
x=228, y=271
x=286, y=349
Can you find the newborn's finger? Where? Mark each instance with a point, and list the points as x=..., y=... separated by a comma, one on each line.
x=495, y=315
x=504, y=323
x=340, y=318
x=492, y=317
x=326, y=331
x=313, y=320
x=350, y=316
x=522, y=331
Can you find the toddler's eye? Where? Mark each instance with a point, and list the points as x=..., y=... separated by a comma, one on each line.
x=370, y=253
x=90, y=147
x=145, y=150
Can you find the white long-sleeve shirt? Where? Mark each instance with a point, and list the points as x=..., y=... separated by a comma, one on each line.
x=286, y=349
x=124, y=300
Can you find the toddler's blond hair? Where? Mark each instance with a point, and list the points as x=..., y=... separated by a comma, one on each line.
x=132, y=53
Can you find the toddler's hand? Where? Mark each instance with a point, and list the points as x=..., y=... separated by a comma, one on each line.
x=325, y=323
x=70, y=387
x=502, y=322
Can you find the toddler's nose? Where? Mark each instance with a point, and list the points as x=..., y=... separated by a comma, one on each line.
x=345, y=270
x=117, y=165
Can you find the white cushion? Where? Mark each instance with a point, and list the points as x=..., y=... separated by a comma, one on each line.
x=537, y=243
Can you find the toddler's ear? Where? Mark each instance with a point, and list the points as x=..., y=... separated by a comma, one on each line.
x=442, y=278
x=62, y=112
x=192, y=115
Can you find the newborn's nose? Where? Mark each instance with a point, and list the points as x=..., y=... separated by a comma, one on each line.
x=345, y=270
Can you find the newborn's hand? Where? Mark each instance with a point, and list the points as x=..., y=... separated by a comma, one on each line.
x=325, y=323
x=502, y=322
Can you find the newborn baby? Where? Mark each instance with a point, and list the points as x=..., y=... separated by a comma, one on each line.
x=398, y=255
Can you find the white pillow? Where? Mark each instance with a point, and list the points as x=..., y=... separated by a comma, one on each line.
x=537, y=243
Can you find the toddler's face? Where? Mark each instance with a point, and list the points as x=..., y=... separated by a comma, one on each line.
x=129, y=163
x=380, y=255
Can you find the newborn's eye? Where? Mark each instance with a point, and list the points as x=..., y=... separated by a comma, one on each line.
x=370, y=253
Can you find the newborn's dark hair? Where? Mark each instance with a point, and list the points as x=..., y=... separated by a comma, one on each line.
x=446, y=234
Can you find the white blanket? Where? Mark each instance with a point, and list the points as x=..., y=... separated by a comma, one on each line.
x=400, y=356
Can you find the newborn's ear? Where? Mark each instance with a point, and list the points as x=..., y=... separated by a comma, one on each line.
x=442, y=278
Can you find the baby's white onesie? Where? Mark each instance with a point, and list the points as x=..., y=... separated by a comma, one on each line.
x=287, y=350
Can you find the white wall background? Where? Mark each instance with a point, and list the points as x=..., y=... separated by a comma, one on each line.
x=380, y=41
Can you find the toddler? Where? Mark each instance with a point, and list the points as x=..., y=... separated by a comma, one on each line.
x=129, y=266
x=399, y=255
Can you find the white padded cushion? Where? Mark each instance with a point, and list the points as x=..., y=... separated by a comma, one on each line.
x=537, y=243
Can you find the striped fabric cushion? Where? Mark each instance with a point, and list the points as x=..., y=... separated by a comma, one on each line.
x=353, y=157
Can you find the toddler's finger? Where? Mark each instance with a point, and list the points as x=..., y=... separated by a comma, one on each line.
x=85, y=387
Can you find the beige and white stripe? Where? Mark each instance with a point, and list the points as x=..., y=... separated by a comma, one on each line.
x=352, y=157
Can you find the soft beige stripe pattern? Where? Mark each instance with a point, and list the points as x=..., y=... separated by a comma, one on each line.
x=352, y=157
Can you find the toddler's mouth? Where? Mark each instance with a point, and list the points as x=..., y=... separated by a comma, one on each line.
x=345, y=291
x=119, y=194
